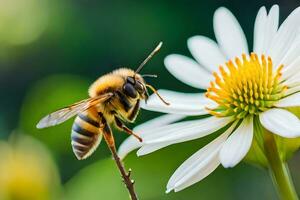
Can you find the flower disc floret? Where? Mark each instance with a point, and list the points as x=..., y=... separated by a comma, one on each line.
x=247, y=86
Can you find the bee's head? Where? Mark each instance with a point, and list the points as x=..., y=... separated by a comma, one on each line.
x=136, y=87
x=135, y=84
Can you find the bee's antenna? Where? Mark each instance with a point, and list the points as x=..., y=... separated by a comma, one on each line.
x=148, y=58
x=149, y=75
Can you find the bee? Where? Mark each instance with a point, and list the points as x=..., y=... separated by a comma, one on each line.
x=114, y=99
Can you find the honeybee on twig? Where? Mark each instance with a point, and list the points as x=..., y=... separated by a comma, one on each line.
x=114, y=99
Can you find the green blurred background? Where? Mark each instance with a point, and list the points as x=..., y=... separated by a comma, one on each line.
x=51, y=50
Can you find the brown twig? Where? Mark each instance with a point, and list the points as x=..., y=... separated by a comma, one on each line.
x=126, y=176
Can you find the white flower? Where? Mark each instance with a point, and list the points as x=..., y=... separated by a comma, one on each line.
x=242, y=89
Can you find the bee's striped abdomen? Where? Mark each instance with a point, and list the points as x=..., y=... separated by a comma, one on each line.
x=86, y=134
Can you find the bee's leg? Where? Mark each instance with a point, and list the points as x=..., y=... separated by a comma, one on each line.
x=109, y=138
x=106, y=131
x=122, y=126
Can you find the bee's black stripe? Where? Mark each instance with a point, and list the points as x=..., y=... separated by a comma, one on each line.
x=134, y=111
x=80, y=148
x=77, y=128
x=81, y=140
x=79, y=153
x=88, y=120
x=124, y=101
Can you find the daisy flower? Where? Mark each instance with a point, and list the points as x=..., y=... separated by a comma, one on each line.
x=247, y=96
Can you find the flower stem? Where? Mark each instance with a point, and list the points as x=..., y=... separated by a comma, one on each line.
x=279, y=170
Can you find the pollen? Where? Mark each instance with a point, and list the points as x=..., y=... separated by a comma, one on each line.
x=245, y=86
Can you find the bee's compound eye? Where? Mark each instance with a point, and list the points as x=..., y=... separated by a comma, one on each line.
x=129, y=90
x=130, y=80
x=139, y=87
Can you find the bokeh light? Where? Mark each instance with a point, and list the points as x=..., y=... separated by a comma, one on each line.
x=27, y=171
x=22, y=21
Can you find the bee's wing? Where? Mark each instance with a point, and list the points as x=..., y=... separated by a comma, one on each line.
x=66, y=113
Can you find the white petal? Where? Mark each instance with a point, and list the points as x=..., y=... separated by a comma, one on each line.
x=149, y=148
x=265, y=29
x=188, y=130
x=238, y=144
x=292, y=100
x=259, y=31
x=131, y=143
x=157, y=122
x=229, y=33
x=188, y=71
x=127, y=146
x=180, y=97
x=285, y=37
x=206, y=52
x=174, y=108
x=292, y=90
x=289, y=71
x=180, y=132
x=291, y=55
x=281, y=122
x=180, y=103
x=210, y=163
x=199, y=165
x=271, y=27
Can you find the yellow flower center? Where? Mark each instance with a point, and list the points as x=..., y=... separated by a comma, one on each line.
x=247, y=86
